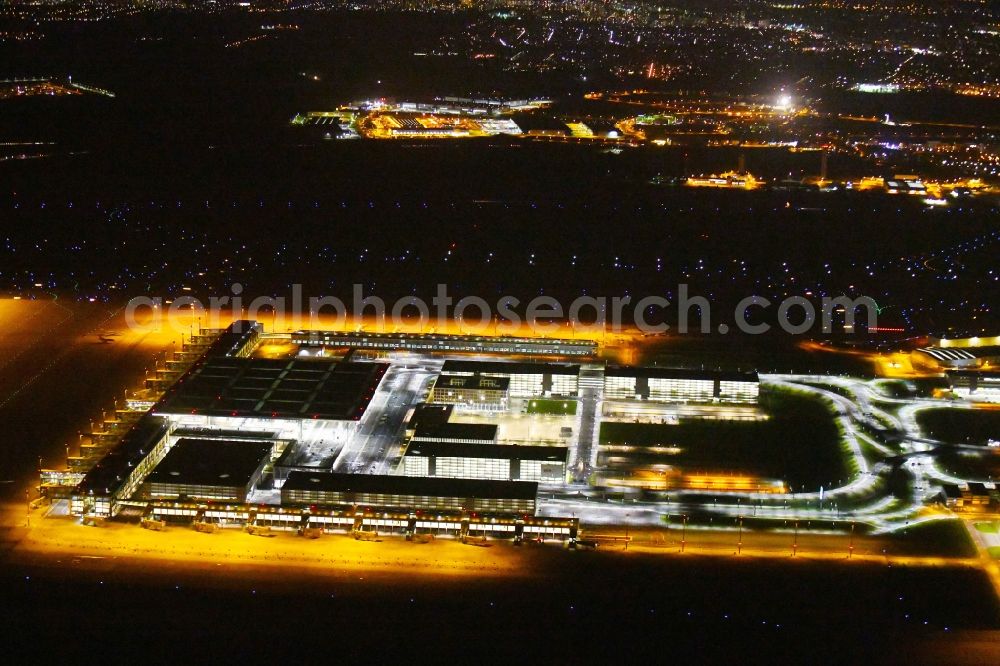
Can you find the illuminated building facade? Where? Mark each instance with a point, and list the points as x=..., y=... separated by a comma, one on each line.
x=435, y=342
x=206, y=469
x=544, y=464
x=472, y=392
x=380, y=491
x=527, y=380
x=679, y=385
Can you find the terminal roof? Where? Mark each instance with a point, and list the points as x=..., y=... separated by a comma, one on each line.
x=410, y=485
x=211, y=462
x=476, y=431
x=275, y=388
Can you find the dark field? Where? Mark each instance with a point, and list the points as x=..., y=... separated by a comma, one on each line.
x=980, y=465
x=587, y=607
x=799, y=444
x=961, y=426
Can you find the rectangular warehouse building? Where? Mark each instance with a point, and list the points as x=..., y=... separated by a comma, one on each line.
x=680, y=385
x=527, y=380
x=407, y=492
x=544, y=464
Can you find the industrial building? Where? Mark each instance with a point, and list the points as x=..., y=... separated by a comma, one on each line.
x=472, y=392
x=680, y=385
x=527, y=380
x=382, y=491
x=544, y=464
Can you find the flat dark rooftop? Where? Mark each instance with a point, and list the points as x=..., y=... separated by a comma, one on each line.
x=480, y=431
x=498, y=451
x=428, y=414
x=509, y=367
x=210, y=462
x=275, y=388
x=411, y=485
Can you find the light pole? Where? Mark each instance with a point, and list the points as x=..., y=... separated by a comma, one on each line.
x=739, y=544
x=850, y=548
x=795, y=541
x=684, y=523
x=626, y=531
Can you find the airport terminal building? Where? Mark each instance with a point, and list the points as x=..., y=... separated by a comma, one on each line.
x=441, y=342
x=527, y=380
x=206, y=469
x=388, y=492
x=265, y=403
x=472, y=392
x=502, y=462
x=953, y=358
x=680, y=385
x=294, y=397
